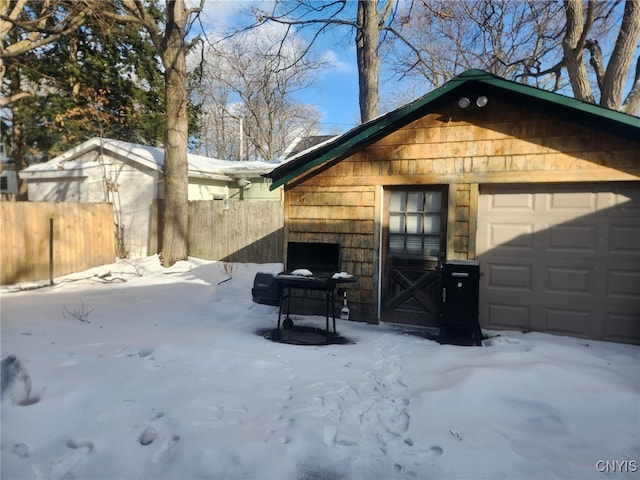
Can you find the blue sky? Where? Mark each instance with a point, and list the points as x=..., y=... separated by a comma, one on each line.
x=335, y=93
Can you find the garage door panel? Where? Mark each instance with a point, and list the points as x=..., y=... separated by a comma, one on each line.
x=570, y=201
x=572, y=266
x=564, y=281
x=623, y=284
x=572, y=238
x=511, y=236
x=568, y=321
x=622, y=327
x=503, y=278
x=508, y=315
x=512, y=200
x=626, y=199
x=624, y=240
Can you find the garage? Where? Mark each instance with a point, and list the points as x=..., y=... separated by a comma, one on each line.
x=561, y=258
x=541, y=189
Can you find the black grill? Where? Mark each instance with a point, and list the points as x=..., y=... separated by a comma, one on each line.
x=321, y=263
x=320, y=258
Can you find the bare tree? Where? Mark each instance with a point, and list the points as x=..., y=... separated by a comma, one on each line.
x=443, y=38
x=370, y=24
x=170, y=40
x=612, y=77
x=247, y=90
x=545, y=43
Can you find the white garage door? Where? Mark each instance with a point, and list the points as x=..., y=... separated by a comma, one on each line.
x=561, y=258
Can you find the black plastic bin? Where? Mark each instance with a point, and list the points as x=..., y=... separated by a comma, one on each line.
x=266, y=289
x=460, y=305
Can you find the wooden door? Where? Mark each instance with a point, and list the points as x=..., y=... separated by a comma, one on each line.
x=414, y=240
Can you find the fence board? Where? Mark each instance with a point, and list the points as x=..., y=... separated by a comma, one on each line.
x=83, y=237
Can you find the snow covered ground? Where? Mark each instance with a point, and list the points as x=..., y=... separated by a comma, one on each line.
x=150, y=373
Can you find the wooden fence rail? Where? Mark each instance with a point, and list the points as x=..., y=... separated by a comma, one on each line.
x=81, y=235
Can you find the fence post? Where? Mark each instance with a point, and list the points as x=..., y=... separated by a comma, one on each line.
x=51, y=251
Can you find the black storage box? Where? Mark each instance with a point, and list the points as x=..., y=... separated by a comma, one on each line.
x=460, y=301
x=265, y=289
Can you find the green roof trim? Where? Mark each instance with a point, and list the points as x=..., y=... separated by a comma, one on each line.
x=371, y=131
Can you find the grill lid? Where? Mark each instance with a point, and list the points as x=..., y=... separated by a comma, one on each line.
x=317, y=257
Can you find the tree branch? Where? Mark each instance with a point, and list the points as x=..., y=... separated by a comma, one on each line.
x=631, y=104
x=586, y=26
x=5, y=101
x=596, y=61
x=556, y=70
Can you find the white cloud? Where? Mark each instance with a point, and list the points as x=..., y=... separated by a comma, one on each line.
x=218, y=15
x=336, y=61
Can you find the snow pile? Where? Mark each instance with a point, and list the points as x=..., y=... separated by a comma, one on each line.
x=142, y=372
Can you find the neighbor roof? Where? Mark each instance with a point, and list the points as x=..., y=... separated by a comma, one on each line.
x=300, y=144
x=70, y=163
x=362, y=135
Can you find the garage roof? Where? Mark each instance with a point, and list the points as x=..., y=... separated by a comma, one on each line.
x=364, y=134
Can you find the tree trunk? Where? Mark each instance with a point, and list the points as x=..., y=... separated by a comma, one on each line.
x=573, y=47
x=368, y=59
x=615, y=76
x=176, y=173
x=17, y=136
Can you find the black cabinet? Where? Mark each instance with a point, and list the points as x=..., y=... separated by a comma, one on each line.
x=460, y=301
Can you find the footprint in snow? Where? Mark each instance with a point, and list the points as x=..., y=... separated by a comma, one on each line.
x=150, y=434
x=167, y=449
x=61, y=469
x=435, y=451
x=21, y=450
x=16, y=383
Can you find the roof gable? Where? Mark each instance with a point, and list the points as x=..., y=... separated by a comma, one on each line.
x=473, y=80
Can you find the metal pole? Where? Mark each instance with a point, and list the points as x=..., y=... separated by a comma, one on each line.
x=51, y=251
x=241, y=140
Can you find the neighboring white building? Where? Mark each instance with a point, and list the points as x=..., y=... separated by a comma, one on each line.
x=131, y=176
x=8, y=177
x=8, y=181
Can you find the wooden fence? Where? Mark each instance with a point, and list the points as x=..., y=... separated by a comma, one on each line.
x=41, y=240
x=83, y=235
x=247, y=232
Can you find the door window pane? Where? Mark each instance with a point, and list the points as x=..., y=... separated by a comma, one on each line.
x=396, y=244
x=415, y=223
x=432, y=246
x=414, y=245
x=396, y=223
x=432, y=224
x=415, y=201
x=398, y=202
x=433, y=201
